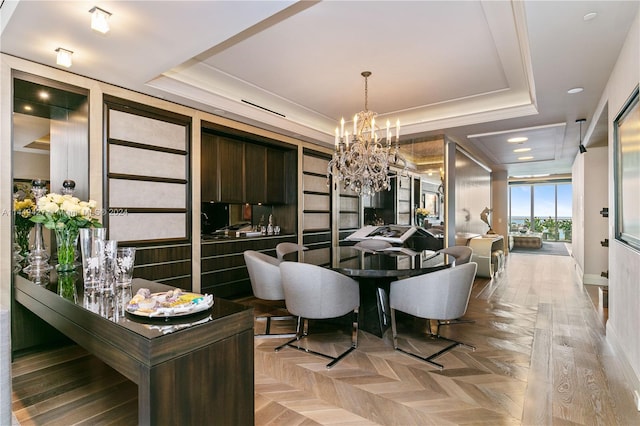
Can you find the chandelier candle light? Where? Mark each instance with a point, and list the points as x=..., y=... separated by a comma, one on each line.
x=363, y=162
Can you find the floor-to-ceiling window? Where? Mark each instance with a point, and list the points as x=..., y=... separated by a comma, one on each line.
x=543, y=208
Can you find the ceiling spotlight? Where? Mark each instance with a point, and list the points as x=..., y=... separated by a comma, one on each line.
x=99, y=20
x=522, y=150
x=528, y=157
x=581, y=147
x=518, y=139
x=64, y=57
x=575, y=90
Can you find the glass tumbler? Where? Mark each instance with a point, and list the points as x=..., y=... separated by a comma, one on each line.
x=125, y=259
x=92, y=248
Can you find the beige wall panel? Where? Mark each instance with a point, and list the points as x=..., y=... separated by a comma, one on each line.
x=316, y=202
x=133, y=161
x=147, y=226
x=349, y=220
x=148, y=131
x=133, y=193
x=404, y=219
x=318, y=256
x=316, y=221
x=351, y=204
x=314, y=164
x=315, y=184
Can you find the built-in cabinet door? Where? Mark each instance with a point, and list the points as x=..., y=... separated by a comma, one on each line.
x=275, y=181
x=210, y=190
x=230, y=166
x=255, y=157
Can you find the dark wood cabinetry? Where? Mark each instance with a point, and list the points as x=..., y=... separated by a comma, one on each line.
x=235, y=171
x=255, y=173
x=224, y=272
x=209, y=168
x=276, y=182
x=230, y=170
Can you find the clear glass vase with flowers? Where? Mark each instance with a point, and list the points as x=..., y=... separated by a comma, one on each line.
x=23, y=209
x=421, y=215
x=65, y=215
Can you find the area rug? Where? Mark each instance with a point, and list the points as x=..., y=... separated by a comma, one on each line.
x=552, y=248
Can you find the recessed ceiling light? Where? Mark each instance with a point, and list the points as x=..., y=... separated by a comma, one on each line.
x=575, y=90
x=43, y=95
x=522, y=150
x=528, y=157
x=589, y=16
x=27, y=108
x=518, y=139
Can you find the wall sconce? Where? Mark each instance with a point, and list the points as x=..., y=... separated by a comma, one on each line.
x=581, y=147
x=99, y=20
x=64, y=57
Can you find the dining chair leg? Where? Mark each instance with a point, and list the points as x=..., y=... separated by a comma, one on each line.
x=268, y=319
x=430, y=358
x=453, y=322
x=302, y=331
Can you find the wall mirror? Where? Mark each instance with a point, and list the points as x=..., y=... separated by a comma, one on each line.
x=50, y=134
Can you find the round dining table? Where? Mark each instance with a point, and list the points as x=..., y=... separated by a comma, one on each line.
x=374, y=271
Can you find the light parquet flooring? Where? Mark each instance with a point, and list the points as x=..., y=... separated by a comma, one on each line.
x=541, y=358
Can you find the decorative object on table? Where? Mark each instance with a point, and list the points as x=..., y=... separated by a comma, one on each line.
x=38, y=258
x=107, y=277
x=92, y=249
x=67, y=285
x=125, y=259
x=484, y=216
x=173, y=303
x=421, y=215
x=65, y=215
x=23, y=209
x=362, y=163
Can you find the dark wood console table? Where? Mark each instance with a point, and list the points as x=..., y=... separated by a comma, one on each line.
x=195, y=371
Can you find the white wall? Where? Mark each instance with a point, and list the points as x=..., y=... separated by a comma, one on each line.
x=624, y=263
x=590, y=196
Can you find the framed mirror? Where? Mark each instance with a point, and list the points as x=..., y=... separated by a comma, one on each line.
x=50, y=136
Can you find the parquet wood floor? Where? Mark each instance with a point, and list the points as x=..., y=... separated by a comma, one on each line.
x=541, y=359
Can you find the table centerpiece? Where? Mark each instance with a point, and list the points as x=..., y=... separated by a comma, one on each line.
x=65, y=215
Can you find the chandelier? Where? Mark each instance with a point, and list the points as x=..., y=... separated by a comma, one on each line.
x=362, y=162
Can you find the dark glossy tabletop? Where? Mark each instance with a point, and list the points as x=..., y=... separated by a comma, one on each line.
x=391, y=263
x=112, y=307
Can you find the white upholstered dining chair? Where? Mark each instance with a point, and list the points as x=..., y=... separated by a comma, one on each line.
x=266, y=283
x=314, y=292
x=285, y=248
x=441, y=295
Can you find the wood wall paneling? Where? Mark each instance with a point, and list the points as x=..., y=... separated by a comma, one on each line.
x=147, y=188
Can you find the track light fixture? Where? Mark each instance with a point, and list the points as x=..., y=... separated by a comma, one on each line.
x=581, y=147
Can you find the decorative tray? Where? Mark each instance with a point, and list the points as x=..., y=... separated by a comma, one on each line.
x=169, y=304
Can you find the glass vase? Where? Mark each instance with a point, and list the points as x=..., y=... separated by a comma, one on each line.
x=67, y=241
x=22, y=232
x=67, y=286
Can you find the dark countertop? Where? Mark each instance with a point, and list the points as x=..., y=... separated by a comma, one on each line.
x=213, y=238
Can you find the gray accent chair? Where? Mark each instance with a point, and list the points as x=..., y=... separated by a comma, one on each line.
x=266, y=283
x=461, y=253
x=441, y=295
x=314, y=292
x=285, y=248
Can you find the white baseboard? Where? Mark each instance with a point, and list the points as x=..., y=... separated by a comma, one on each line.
x=629, y=375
